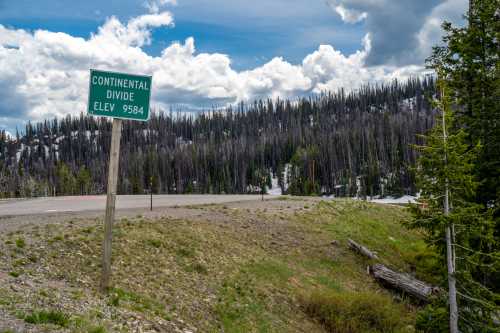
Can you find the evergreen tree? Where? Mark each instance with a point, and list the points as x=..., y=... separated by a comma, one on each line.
x=66, y=182
x=470, y=62
x=470, y=57
x=455, y=225
x=84, y=179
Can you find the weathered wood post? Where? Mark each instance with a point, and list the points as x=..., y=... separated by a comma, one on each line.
x=110, y=203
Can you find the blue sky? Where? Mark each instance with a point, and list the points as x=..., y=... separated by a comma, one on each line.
x=250, y=36
x=208, y=53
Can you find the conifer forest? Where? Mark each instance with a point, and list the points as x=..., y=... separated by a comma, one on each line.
x=337, y=143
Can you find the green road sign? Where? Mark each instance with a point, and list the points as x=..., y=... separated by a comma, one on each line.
x=119, y=95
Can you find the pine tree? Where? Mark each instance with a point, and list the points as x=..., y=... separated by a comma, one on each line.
x=83, y=180
x=455, y=225
x=469, y=61
x=471, y=58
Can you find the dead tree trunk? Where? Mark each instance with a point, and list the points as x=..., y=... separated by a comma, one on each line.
x=403, y=282
x=400, y=281
x=450, y=235
x=361, y=249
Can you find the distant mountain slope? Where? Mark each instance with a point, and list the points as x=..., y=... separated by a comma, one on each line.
x=336, y=143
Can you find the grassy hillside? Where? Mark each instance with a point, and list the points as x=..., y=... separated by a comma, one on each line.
x=244, y=267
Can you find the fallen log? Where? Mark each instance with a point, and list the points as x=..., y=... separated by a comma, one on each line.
x=403, y=282
x=361, y=249
x=395, y=280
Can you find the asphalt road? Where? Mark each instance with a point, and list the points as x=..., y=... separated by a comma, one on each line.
x=51, y=205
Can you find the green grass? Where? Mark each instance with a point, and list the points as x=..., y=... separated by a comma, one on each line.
x=20, y=243
x=272, y=271
x=97, y=329
x=14, y=274
x=197, y=267
x=259, y=298
x=19, y=262
x=154, y=243
x=242, y=308
x=328, y=282
x=48, y=317
x=184, y=251
x=136, y=301
x=286, y=198
x=88, y=230
x=56, y=238
x=378, y=227
x=356, y=312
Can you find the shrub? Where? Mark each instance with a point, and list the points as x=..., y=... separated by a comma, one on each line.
x=354, y=312
x=434, y=317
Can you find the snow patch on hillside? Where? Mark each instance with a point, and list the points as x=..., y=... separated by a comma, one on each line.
x=405, y=199
x=410, y=103
x=275, y=188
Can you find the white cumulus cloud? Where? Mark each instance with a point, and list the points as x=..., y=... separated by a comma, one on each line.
x=45, y=74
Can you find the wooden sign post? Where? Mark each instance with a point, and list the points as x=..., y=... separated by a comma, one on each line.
x=151, y=192
x=119, y=96
x=114, y=158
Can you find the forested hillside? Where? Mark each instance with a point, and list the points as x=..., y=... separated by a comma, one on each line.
x=337, y=143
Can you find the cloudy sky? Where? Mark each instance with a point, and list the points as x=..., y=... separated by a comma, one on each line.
x=205, y=53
